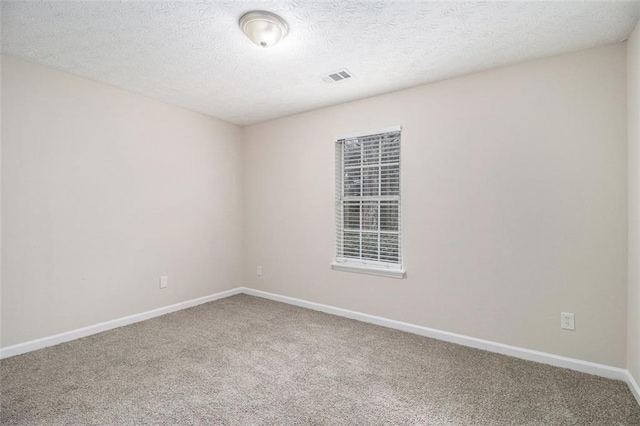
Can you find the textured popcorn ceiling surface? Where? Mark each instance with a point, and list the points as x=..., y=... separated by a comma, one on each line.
x=193, y=54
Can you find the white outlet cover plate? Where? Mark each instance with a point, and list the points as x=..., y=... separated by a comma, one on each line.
x=164, y=282
x=567, y=321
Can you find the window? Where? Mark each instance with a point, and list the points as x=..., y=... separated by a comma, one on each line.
x=368, y=231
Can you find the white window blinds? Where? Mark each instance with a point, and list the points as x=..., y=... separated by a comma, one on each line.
x=368, y=200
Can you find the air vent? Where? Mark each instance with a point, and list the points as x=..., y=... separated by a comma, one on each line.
x=336, y=76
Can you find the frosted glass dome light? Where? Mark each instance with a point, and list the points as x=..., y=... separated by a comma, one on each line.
x=263, y=28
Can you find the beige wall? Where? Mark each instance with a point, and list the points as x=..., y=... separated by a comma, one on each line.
x=514, y=205
x=103, y=192
x=1, y=114
x=633, y=84
x=514, y=198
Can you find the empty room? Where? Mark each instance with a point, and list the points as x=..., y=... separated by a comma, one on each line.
x=338, y=212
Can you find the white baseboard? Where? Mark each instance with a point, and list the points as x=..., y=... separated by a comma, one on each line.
x=514, y=351
x=44, y=342
x=633, y=385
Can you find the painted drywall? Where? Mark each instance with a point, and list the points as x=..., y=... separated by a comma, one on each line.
x=633, y=134
x=514, y=186
x=0, y=203
x=103, y=192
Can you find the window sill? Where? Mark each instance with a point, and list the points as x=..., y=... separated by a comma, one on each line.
x=370, y=270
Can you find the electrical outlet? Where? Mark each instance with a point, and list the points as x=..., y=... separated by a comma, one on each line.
x=164, y=282
x=567, y=321
x=259, y=271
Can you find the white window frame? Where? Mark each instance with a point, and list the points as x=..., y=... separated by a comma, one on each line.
x=392, y=270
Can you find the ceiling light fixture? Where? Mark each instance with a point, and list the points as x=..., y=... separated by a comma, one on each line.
x=263, y=28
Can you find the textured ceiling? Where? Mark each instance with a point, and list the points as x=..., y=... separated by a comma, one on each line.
x=192, y=54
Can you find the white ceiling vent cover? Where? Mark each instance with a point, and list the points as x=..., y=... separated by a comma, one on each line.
x=336, y=76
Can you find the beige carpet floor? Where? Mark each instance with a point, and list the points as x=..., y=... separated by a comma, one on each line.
x=249, y=361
